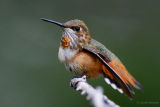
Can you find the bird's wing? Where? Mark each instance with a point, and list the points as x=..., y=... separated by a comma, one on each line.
x=114, y=71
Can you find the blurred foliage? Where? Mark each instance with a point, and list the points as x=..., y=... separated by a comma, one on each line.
x=32, y=76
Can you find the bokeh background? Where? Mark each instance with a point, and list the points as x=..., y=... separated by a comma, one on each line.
x=32, y=76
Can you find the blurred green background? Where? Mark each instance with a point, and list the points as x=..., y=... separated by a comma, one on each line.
x=32, y=76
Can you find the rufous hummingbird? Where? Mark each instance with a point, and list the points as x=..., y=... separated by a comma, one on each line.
x=85, y=56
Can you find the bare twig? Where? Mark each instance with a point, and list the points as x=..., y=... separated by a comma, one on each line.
x=94, y=95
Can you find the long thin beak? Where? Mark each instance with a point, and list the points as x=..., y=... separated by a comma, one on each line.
x=51, y=21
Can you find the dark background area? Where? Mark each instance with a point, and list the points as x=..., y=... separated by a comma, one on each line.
x=32, y=76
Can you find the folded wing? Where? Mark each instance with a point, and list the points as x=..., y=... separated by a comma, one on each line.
x=114, y=71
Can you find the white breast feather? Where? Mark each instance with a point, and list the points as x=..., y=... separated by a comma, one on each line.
x=66, y=54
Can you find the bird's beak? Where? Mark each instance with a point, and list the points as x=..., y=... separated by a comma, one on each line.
x=51, y=21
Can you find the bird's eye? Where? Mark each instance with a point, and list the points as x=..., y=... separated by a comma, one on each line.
x=76, y=28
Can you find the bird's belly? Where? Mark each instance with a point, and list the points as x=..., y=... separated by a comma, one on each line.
x=86, y=64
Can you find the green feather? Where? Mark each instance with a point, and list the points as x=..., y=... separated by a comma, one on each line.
x=97, y=45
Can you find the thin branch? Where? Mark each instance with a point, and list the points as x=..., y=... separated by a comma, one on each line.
x=95, y=96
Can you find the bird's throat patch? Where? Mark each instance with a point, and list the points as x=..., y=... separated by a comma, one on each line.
x=65, y=41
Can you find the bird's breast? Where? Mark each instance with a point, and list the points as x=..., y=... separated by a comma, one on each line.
x=87, y=64
x=66, y=54
x=80, y=62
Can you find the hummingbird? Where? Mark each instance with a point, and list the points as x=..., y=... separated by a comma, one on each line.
x=83, y=55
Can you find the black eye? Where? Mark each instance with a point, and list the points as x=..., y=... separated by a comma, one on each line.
x=76, y=28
